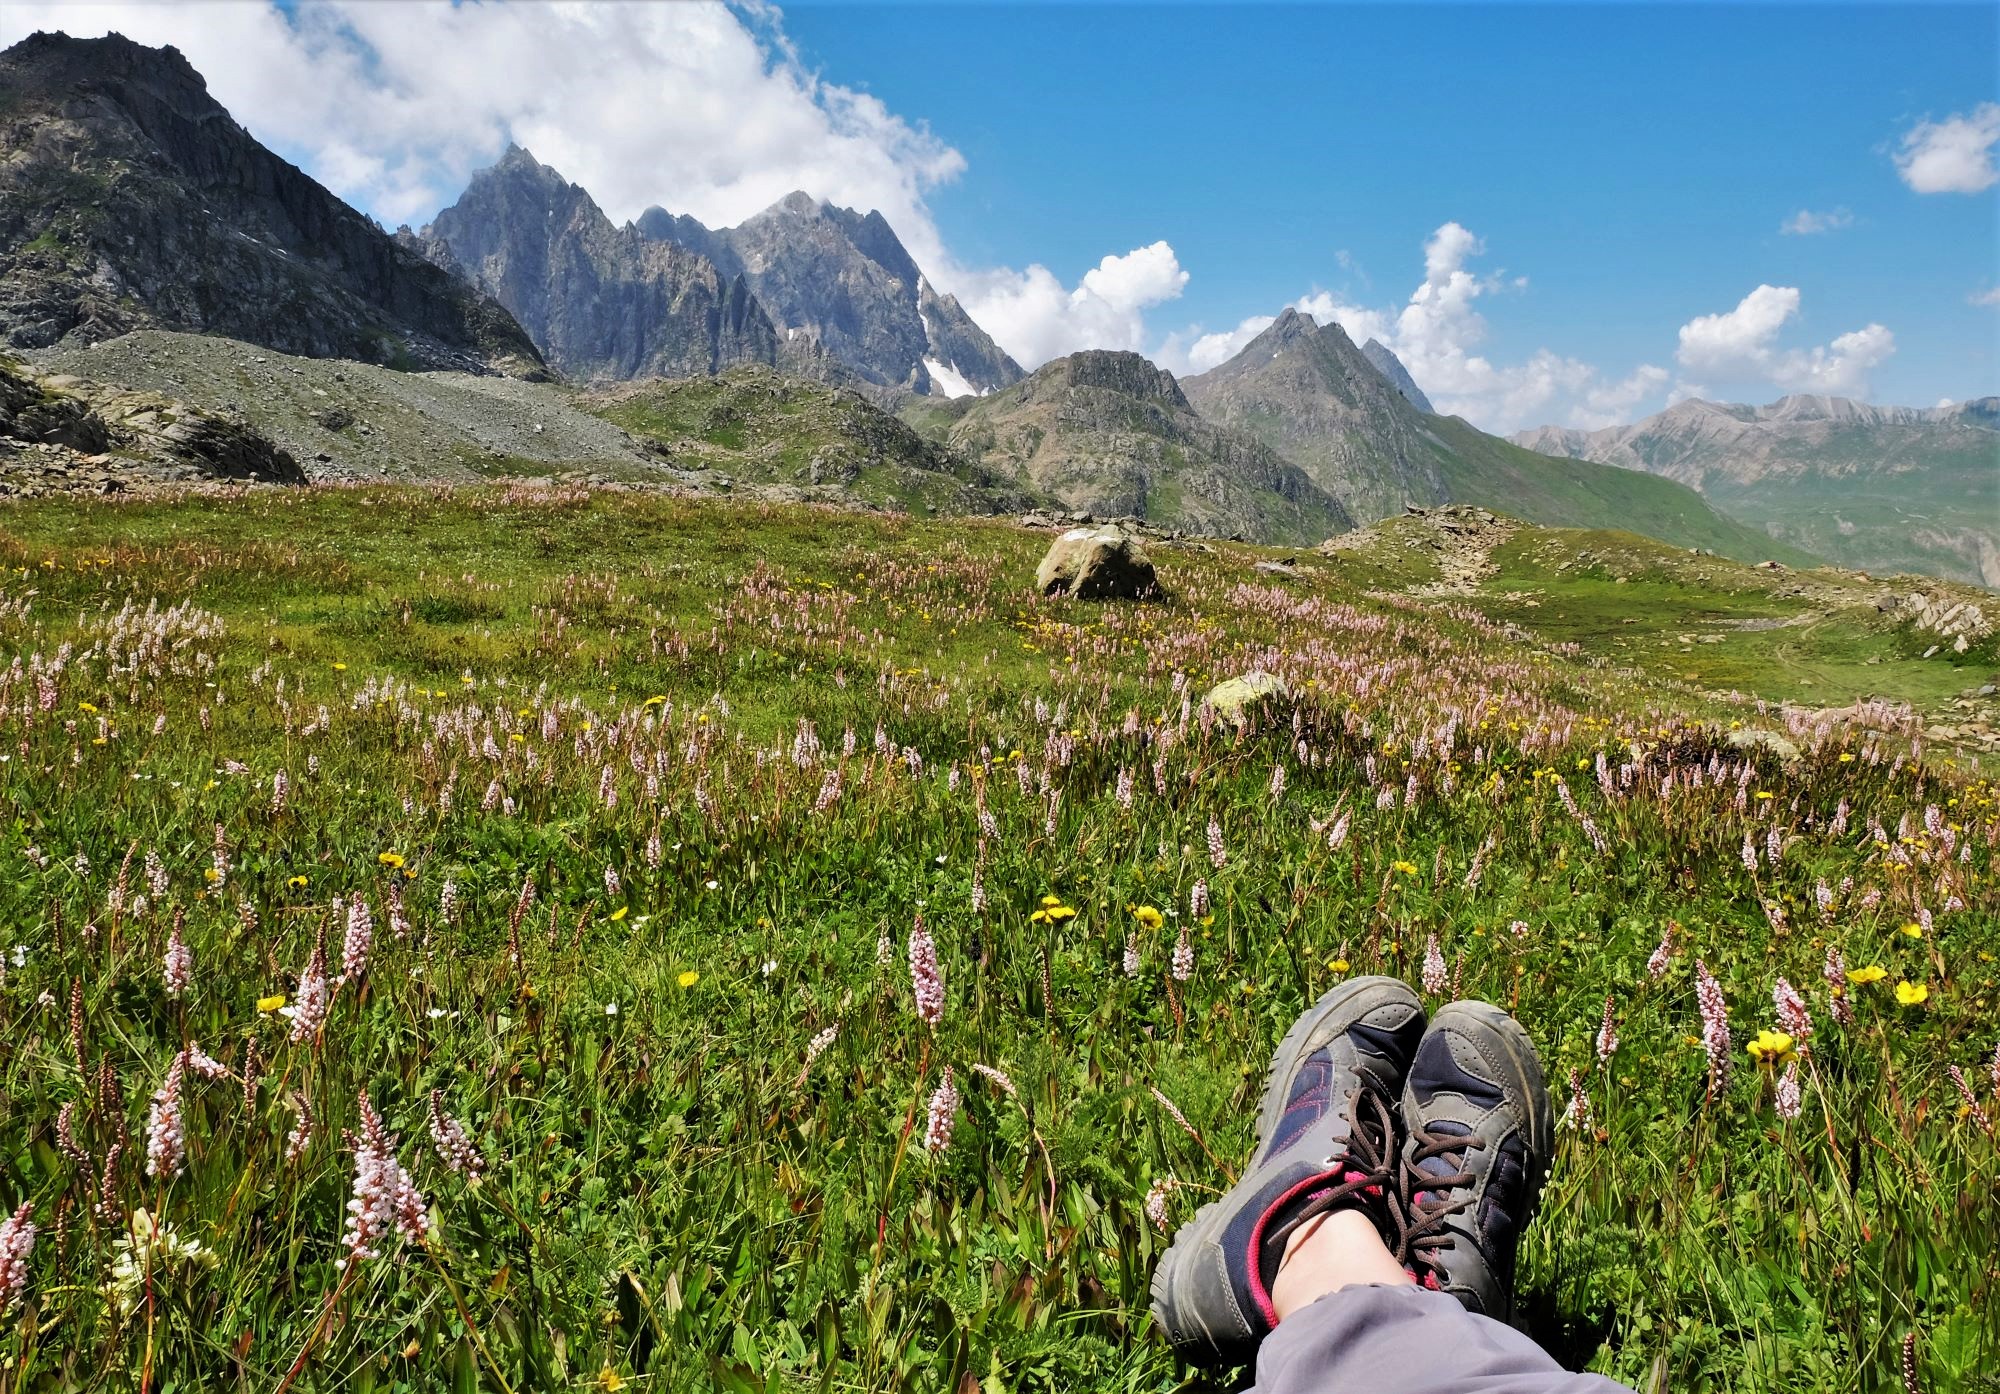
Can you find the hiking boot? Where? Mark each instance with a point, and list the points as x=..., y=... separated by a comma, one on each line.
x=1477, y=1140
x=1326, y=1140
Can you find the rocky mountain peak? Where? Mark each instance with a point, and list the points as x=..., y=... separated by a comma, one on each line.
x=602, y=301
x=129, y=198
x=1112, y=370
x=847, y=280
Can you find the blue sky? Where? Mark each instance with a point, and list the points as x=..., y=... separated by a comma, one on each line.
x=1554, y=214
x=1634, y=162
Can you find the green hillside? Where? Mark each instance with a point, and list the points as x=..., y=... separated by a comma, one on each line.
x=1497, y=474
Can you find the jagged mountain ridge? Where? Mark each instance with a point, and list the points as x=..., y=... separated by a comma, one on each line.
x=602, y=301
x=1391, y=367
x=1882, y=488
x=846, y=279
x=1110, y=433
x=129, y=198
x=824, y=292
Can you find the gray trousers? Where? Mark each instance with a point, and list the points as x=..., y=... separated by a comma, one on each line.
x=1406, y=1340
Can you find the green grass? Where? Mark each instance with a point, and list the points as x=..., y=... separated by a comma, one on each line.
x=672, y=1197
x=1563, y=493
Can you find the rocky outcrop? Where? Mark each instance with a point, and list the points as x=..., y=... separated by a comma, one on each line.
x=752, y=425
x=603, y=302
x=60, y=433
x=1111, y=434
x=1097, y=564
x=130, y=199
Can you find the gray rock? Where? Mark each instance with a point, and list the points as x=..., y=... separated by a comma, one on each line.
x=1235, y=700
x=1097, y=564
x=1752, y=739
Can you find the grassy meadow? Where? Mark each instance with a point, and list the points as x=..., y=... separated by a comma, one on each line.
x=462, y=940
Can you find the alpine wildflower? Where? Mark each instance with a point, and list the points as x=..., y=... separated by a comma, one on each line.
x=166, y=1140
x=1607, y=1034
x=178, y=968
x=942, y=1114
x=1434, y=969
x=454, y=1148
x=17, y=1242
x=1714, y=1026
x=1786, y=1098
x=926, y=985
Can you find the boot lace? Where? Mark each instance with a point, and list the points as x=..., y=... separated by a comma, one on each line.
x=1365, y=1170
x=1426, y=1195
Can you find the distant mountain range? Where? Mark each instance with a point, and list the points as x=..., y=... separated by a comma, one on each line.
x=130, y=199
x=1878, y=488
x=824, y=292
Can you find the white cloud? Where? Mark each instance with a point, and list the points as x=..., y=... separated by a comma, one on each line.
x=700, y=108
x=1984, y=297
x=1952, y=156
x=394, y=106
x=1806, y=223
x=1740, y=345
x=1437, y=333
x=1611, y=403
x=1035, y=317
x=1192, y=351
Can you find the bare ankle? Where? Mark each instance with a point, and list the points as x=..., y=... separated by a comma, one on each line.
x=1328, y=1253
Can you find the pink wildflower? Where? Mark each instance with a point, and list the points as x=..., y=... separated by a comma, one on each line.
x=166, y=1141
x=1434, y=969
x=926, y=986
x=17, y=1241
x=178, y=969
x=943, y=1113
x=453, y=1147
x=1786, y=1099
x=1714, y=1026
x=1793, y=1018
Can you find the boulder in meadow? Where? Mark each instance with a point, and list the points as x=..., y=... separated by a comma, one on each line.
x=1097, y=564
x=1233, y=700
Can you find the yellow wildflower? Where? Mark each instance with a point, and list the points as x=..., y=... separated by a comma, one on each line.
x=620, y=913
x=1914, y=930
x=297, y=883
x=391, y=860
x=267, y=1005
x=1338, y=965
x=1148, y=916
x=1912, y=994
x=1873, y=973
x=1770, y=1047
x=340, y=667
x=689, y=978
x=86, y=707
x=1407, y=868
